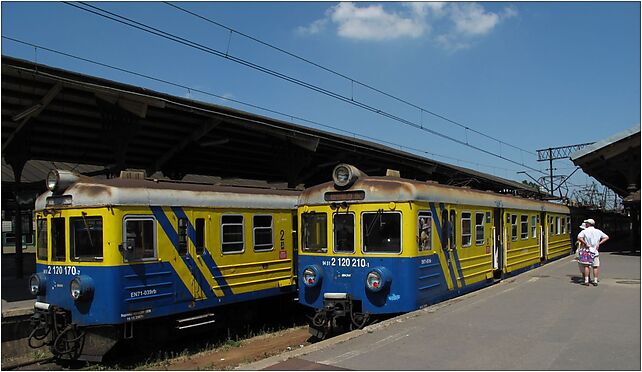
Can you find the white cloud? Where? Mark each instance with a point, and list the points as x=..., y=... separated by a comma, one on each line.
x=457, y=24
x=314, y=28
x=374, y=23
x=472, y=19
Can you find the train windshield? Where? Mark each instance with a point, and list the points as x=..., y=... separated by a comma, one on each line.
x=86, y=239
x=381, y=232
x=343, y=224
x=41, y=243
x=315, y=232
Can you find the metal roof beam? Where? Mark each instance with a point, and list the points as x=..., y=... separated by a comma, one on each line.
x=31, y=112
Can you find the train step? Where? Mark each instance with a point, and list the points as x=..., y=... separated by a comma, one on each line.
x=195, y=321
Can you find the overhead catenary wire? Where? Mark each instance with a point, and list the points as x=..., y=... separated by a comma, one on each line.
x=155, y=31
x=352, y=80
x=192, y=89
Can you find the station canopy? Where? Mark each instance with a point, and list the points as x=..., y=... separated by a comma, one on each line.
x=55, y=115
x=614, y=162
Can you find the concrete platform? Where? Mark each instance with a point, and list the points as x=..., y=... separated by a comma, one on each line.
x=540, y=320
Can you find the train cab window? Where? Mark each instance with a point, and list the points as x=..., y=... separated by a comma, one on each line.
x=453, y=229
x=343, y=225
x=523, y=220
x=552, y=225
x=381, y=232
x=232, y=239
x=479, y=228
x=424, y=227
x=140, y=238
x=466, y=229
x=513, y=227
x=199, y=244
x=314, y=233
x=262, y=232
x=86, y=238
x=42, y=246
x=533, y=227
x=58, y=249
x=563, y=225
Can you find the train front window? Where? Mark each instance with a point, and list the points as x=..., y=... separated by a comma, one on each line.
x=86, y=241
x=315, y=232
x=343, y=224
x=58, y=249
x=140, y=238
x=42, y=245
x=381, y=232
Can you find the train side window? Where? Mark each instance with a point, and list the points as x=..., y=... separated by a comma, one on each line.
x=86, y=238
x=58, y=251
x=513, y=226
x=523, y=219
x=466, y=229
x=199, y=244
x=551, y=224
x=557, y=225
x=533, y=227
x=232, y=237
x=479, y=228
x=314, y=234
x=381, y=232
x=140, y=238
x=343, y=225
x=262, y=232
x=563, y=225
x=41, y=242
x=424, y=227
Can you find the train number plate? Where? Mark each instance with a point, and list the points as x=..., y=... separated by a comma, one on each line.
x=61, y=270
x=346, y=262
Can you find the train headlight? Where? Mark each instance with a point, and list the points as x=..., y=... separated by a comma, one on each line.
x=59, y=180
x=344, y=175
x=378, y=278
x=312, y=276
x=81, y=287
x=37, y=284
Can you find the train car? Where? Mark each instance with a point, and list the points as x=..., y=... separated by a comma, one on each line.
x=384, y=245
x=123, y=255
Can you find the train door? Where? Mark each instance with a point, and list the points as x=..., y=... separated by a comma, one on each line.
x=544, y=234
x=189, y=257
x=498, y=243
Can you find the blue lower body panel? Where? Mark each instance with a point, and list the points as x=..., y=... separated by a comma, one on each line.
x=414, y=283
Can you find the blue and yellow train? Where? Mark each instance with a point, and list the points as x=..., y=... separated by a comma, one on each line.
x=114, y=255
x=118, y=257
x=382, y=245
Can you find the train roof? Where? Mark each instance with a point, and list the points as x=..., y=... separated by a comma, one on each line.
x=92, y=192
x=385, y=189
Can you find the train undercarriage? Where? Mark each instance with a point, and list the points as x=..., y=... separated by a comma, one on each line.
x=339, y=314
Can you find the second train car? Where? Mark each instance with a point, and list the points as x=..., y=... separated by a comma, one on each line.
x=384, y=245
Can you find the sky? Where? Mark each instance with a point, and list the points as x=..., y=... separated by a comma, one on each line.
x=528, y=75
